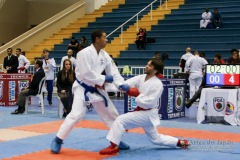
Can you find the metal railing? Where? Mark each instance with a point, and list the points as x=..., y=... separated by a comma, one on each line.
x=136, y=15
x=135, y=70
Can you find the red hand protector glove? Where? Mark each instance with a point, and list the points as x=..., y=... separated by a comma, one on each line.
x=133, y=92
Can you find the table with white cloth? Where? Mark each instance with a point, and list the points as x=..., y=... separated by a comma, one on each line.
x=219, y=106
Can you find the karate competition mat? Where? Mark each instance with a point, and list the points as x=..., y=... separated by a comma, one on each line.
x=28, y=137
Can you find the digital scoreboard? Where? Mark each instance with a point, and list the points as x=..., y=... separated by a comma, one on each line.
x=223, y=74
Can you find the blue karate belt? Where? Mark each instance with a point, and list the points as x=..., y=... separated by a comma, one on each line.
x=91, y=90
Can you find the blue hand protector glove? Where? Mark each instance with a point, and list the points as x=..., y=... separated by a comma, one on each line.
x=109, y=78
x=124, y=87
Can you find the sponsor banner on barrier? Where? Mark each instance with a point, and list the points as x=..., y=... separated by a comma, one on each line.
x=218, y=103
x=11, y=90
x=132, y=104
x=170, y=100
x=179, y=91
x=23, y=84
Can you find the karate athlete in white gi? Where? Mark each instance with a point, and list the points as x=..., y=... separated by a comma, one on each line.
x=90, y=63
x=206, y=18
x=147, y=89
x=23, y=62
x=195, y=66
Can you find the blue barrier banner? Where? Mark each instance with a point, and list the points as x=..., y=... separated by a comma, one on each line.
x=171, y=103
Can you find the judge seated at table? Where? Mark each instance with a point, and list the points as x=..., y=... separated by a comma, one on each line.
x=32, y=89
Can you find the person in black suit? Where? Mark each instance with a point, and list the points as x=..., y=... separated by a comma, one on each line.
x=10, y=62
x=32, y=89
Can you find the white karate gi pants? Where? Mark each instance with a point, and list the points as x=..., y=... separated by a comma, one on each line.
x=194, y=85
x=204, y=23
x=139, y=119
x=107, y=114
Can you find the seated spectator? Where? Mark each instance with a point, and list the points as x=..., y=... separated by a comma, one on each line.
x=218, y=59
x=83, y=43
x=32, y=89
x=157, y=55
x=65, y=79
x=74, y=46
x=235, y=57
x=206, y=18
x=145, y=36
x=140, y=39
x=217, y=19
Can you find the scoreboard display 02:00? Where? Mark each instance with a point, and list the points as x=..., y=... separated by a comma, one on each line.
x=223, y=74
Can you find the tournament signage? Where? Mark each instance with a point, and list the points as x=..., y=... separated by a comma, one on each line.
x=11, y=90
x=10, y=87
x=171, y=104
x=218, y=103
x=23, y=84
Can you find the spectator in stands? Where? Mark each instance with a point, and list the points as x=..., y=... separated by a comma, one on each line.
x=23, y=62
x=195, y=66
x=206, y=18
x=218, y=59
x=164, y=57
x=145, y=36
x=203, y=55
x=184, y=58
x=32, y=89
x=235, y=57
x=74, y=46
x=140, y=39
x=49, y=66
x=70, y=57
x=65, y=79
x=217, y=19
x=83, y=43
x=10, y=62
x=157, y=55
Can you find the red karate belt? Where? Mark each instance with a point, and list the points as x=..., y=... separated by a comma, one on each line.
x=141, y=109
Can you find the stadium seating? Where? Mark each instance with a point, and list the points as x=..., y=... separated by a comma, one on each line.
x=174, y=30
x=180, y=30
x=117, y=17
